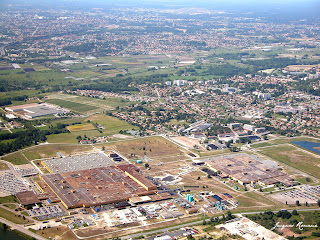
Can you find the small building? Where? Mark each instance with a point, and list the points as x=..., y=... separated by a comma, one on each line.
x=260, y=130
x=165, y=237
x=248, y=127
x=197, y=162
x=234, y=126
x=84, y=141
x=191, y=210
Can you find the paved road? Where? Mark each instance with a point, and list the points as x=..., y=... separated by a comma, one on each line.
x=163, y=230
x=200, y=222
x=21, y=229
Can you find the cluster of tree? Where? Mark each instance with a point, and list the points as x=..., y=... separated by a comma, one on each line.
x=24, y=139
x=28, y=137
x=216, y=220
x=244, y=140
x=7, y=85
x=85, y=47
x=225, y=70
x=216, y=129
x=8, y=100
x=271, y=63
x=268, y=220
x=154, y=78
x=229, y=56
x=307, y=86
x=111, y=86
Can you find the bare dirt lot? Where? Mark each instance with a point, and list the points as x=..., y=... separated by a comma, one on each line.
x=152, y=147
x=188, y=142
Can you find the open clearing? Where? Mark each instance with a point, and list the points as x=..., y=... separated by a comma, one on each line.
x=51, y=150
x=45, y=151
x=152, y=147
x=188, y=142
x=295, y=158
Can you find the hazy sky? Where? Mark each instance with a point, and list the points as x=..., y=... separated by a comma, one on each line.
x=250, y=5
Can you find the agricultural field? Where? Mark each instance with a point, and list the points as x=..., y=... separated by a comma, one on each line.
x=86, y=105
x=295, y=158
x=73, y=106
x=80, y=127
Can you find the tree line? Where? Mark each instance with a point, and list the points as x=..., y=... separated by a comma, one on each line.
x=28, y=137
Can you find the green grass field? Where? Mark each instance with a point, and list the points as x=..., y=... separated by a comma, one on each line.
x=45, y=151
x=77, y=107
x=11, y=216
x=16, y=158
x=295, y=158
x=72, y=137
x=111, y=125
x=9, y=199
x=283, y=141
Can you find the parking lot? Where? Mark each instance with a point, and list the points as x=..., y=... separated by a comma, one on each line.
x=182, y=232
x=79, y=162
x=10, y=184
x=302, y=195
x=312, y=190
x=47, y=212
x=26, y=170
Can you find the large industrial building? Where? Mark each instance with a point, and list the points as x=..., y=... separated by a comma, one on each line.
x=247, y=169
x=97, y=186
x=34, y=110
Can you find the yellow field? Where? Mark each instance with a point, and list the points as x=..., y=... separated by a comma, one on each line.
x=80, y=127
x=301, y=67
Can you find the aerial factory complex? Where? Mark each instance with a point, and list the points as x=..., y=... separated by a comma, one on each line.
x=191, y=120
x=91, y=187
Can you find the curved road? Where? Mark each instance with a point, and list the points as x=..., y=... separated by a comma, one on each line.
x=21, y=229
